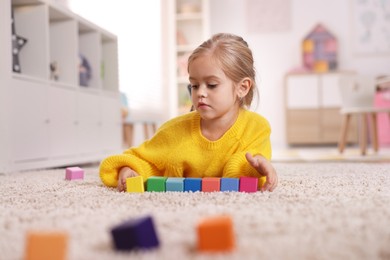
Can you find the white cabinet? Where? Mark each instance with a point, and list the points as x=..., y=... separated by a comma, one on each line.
x=48, y=119
x=29, y=123
x=313, y=102
x=186, y=24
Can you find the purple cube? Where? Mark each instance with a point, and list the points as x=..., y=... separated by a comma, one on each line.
x=248, y=184
x=135, y=234
x=74, y=173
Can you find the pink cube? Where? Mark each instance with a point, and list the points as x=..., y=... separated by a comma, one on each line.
x=248, y=184
x=74, y=173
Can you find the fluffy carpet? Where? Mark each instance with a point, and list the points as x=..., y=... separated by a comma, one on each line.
x=319, y=211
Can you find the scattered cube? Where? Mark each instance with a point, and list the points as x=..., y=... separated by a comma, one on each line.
x=229, y=184
x=156, y=183
x=175, y=184
x=135, y=184
x=193, y=184
x=74, y=173
x=46, y=245
x=135, y=234
x=262, y=181
x=216, y=234
x=248, y=184
x=210, y=184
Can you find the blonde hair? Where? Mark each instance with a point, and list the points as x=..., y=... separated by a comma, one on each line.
x=234, y=56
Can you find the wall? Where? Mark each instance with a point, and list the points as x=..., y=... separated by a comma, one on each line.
x=276, y=53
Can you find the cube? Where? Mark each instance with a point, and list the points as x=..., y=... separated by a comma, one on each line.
x=216, y=234
x=229, y=184
x=175, y=184
x=135, y=184
x=262, y=181
x=193, y=184
x=156, y=183
x=74, y=173
x=135, y=234
x=248, y=184
x=46, y=245
x=210, y=184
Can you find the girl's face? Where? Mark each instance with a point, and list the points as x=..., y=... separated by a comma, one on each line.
x=213, y=94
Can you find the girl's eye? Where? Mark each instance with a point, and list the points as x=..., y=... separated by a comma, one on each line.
x=212, y=86
x=194, y=86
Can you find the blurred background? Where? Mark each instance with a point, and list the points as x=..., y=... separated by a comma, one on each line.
x=275, y=31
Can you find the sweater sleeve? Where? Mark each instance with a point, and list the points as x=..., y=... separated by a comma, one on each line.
x=256, y=143
x=109, y=168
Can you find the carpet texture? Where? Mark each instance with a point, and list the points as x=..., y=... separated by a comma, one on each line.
x=318, y=211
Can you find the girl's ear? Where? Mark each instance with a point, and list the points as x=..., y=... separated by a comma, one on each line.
x=243, y=87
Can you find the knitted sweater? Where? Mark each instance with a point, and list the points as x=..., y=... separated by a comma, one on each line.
x=178, y=149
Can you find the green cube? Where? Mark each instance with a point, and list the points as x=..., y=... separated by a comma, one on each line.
x=156, y=183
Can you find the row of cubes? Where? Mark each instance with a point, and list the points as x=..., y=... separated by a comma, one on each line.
x=207, y=184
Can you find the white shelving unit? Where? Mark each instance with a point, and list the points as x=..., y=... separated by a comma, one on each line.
x=47, y=122
x=312, y=103
x=186, y=25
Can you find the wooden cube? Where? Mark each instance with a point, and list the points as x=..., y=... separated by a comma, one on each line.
x=135, y=184
x=193, y=184
x=46, y=245
x=175, y=184
x=135, y=234
x=248, y=184
x=210, y=184
x=74, y=173
x=230, y=184
x=156, y=183
x=216, y=234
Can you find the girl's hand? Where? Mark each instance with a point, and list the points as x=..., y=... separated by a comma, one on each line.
x=264, y=168
x=124, y=173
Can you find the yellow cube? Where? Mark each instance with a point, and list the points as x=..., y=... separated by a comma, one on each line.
x=308, y=46
x=261, y=182
x=135, y=184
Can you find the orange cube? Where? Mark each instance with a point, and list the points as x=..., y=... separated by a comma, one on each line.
x=215, y=234
x=46, y=246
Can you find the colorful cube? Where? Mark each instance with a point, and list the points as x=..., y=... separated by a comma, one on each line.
x=46, y=245
x=135, y=184
x=216, y=234
x=193, y=184
x=248, y=184
x=210, y=184
x=175, y=184
x=135, y=234
x=74, y=173
x=156, y=183
x=230, y=184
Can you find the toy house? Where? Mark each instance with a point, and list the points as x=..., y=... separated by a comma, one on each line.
x=319, y=49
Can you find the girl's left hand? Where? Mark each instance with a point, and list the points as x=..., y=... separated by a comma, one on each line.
x=264, y=168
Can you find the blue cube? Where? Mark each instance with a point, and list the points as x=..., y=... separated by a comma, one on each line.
x=230, y=184
x=132, y=234
x=193, y=184
x=174, y=184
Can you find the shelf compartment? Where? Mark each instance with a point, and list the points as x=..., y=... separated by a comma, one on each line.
x=31, y=23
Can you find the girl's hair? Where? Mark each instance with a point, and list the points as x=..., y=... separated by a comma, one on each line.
x=232, y=53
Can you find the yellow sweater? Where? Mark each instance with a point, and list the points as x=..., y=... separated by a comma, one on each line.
x=178, y=149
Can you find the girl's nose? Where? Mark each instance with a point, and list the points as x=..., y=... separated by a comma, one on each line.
x=202, y=91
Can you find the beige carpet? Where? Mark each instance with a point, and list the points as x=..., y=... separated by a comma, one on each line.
x=319, y=211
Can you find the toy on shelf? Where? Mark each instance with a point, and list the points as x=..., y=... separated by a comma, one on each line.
x=17, y=44
x=319, y=49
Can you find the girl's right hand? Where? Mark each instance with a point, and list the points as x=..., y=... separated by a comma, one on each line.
x=124, y=173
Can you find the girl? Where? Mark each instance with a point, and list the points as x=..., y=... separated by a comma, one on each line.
x=221, y=138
